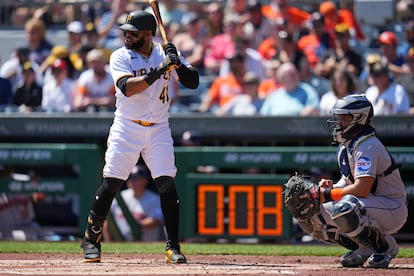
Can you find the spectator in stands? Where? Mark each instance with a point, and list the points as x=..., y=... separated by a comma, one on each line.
x=223, y=44
x=6, y=93
x=59, y=90
x=171, y=15
x=334, y=16
x=293, y=98
x=365, y=79
x=75, y=31
x=404, y=9
x=107, y=25
x=388, y=43
x=73, y=61
x=223, y=89
x=288, y=50
x=144, y=206
x=253, y=61
x=269, y=47
x=257, y=27
x=38, y=44
x=407, y=80
x=95, y=88
x=342, y=84
x=237, y=7
x=12, y=69
x=408, y=42
x=244, y=104
x=308, y=76
x=191, y=40
x=343, y=55
x=214, y=20
x=16, y=212
x=295, y=17
x=28, y=97
x=270, y=83
x=316, y=44
x=387, y=97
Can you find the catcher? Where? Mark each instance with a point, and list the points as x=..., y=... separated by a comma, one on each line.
x=367, y=205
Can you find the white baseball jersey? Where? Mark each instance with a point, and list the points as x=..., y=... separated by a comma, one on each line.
x=152, y=104
x=127, y=139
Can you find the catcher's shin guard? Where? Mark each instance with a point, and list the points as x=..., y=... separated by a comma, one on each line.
x=91, y=245
x=320, y=231
x=350, y=216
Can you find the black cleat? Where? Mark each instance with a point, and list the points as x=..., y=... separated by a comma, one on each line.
x=173, y=255
x=91, y=252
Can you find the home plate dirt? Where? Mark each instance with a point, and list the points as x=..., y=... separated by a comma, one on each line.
x=133, y=264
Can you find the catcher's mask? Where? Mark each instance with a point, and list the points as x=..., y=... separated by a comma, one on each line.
x=361, y=110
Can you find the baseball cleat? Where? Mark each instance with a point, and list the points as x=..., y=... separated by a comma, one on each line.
x=91, y=252
x=174, y=256
x=382, y=260
x=356, y=258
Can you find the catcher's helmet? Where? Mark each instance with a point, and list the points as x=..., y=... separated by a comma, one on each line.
x=138, y=21
x=356, y=105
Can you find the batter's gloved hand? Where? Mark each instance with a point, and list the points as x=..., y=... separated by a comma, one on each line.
x=301, y=197
x=170, y=62
x=175, y=59
x=170, y=48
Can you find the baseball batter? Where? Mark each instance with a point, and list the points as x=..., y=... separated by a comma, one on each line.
x=368, y=204
x=143, y=71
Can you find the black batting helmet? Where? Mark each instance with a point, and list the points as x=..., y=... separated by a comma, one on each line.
x=138, y=21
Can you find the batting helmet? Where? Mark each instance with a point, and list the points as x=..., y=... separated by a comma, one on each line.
x=138, y=21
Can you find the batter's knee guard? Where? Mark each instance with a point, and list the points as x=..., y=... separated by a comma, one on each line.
x=349, y=214
x=320, y=231
x=105, y=195
x=164, y=184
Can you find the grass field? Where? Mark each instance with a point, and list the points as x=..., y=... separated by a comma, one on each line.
x=190, y=248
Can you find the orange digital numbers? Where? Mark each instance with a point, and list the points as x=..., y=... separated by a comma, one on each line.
x=269, y=210
x=240, y=210
x=210, y=211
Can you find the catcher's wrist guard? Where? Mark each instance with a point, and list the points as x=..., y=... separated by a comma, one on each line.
x=301, y=197
x=332, y=194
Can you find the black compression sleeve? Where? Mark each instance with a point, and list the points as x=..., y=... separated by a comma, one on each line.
x=153, y=76
x=189, y=77
x=121, y=84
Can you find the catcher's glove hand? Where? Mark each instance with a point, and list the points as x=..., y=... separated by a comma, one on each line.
x=301, y=197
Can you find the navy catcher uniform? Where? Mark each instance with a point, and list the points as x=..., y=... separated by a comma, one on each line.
x=368, y=204
x=143, y=71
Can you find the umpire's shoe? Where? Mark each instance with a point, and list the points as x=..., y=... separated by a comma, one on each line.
x=173, y=254
x=91, y=252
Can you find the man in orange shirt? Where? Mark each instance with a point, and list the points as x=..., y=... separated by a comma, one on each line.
x=317, y=42
x=281, y=9
x=334, y=16
x=225, y=88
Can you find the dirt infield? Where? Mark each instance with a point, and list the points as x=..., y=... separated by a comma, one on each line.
x=133, y=264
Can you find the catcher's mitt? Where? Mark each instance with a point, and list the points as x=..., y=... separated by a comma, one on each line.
x=301, y=197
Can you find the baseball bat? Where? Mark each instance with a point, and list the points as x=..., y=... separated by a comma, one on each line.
x=156, y=9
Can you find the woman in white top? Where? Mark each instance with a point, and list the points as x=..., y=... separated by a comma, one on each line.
x=342, y=84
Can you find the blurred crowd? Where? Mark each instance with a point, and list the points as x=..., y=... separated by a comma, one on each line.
x=254, y=57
